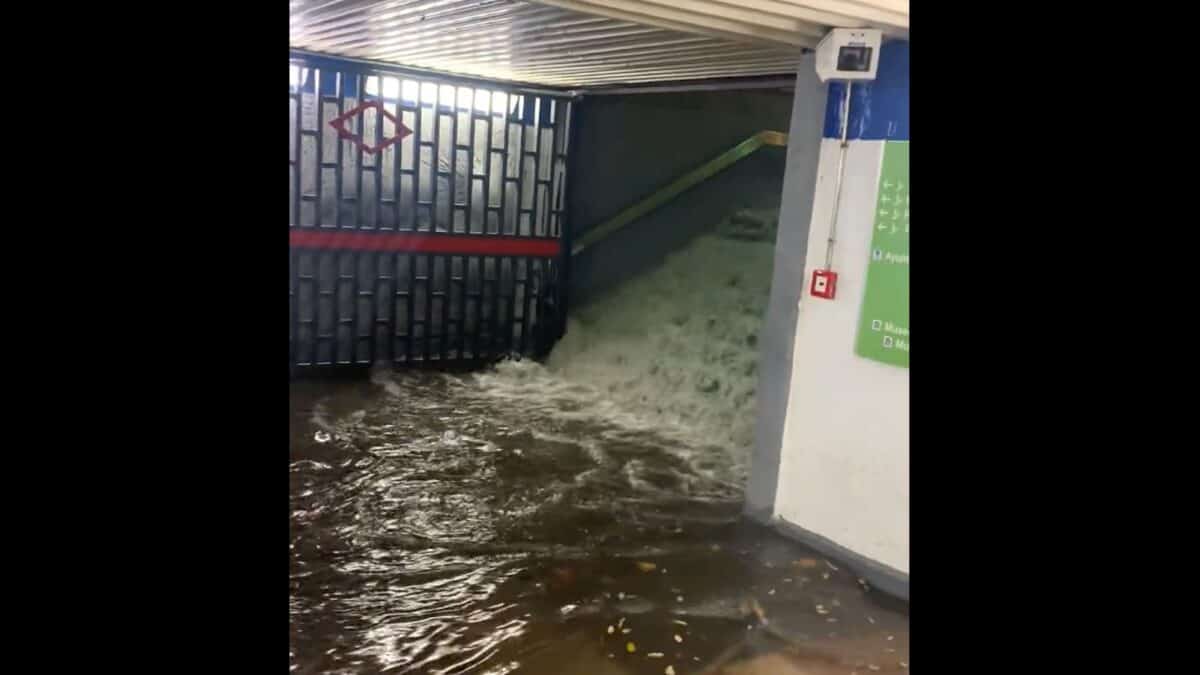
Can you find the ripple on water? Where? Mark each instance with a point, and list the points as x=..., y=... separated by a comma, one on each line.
x=448, y=519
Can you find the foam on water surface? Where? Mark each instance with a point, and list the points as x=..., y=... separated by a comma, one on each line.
x=678, y=347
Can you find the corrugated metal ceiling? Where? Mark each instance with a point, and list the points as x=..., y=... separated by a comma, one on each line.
x=584, y=43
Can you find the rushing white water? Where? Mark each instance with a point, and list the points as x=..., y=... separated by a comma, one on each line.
x=505, y=519
x=678, y=346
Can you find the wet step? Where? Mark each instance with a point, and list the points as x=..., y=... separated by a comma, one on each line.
x=750, y=225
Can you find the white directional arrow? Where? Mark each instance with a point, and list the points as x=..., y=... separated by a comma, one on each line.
x=884, y=198
x=883, y=212
x=882, y=226
x=886, y=185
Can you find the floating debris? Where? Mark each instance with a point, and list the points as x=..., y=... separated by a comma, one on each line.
x=611, y=630
x=626, y=631
x=825, y=576
x=831, y=566
x=872, y=667
x=678, y=637
x=679, y=598
x=630, y=647
x=891, y=637
x=870, y=620
x=904, y=664
x=771, y=592
x=806, y=563
x=751, y=606
x=654, y=655
x=821, y=609
x=647, y=566
x=787, y=581
x=681, y=623
x=621, y=622
x=669, y=670
x=567, y=609
x=322, y=437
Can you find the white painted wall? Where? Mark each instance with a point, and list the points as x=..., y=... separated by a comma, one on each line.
x=844, y=463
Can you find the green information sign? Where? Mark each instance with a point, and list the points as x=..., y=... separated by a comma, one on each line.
x=883, y=324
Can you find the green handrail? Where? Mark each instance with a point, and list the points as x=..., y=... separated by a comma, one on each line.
x=685, y=182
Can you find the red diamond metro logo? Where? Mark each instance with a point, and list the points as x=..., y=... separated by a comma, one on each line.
x=339, y=123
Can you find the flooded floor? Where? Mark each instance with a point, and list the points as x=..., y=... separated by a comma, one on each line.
x=513, y=521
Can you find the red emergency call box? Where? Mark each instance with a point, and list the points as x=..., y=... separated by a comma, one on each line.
x=824, y=283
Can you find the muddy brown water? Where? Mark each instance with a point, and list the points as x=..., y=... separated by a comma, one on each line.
x=512, y=522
